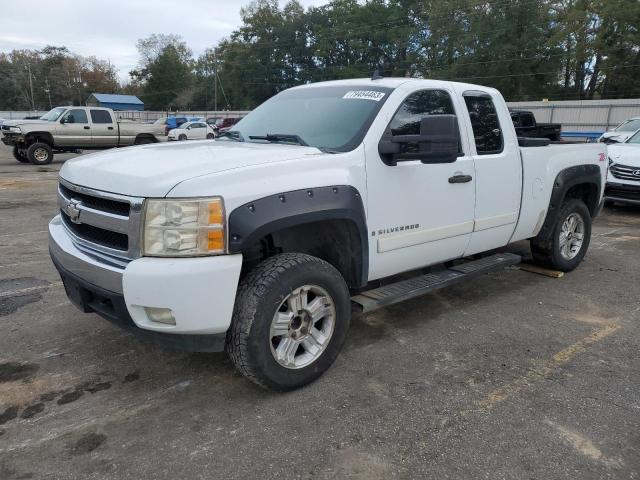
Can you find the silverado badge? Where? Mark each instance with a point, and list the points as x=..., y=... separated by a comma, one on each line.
x=72, y=209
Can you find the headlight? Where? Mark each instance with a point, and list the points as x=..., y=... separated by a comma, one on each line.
x=184, y=228
x=15, y=129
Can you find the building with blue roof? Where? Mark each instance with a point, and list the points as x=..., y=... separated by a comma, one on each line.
x=115, y=102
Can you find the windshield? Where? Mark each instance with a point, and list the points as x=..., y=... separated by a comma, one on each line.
x=53, y=115
x=629, y=126
x=332, y=118
x=184, y=125
x=635, y=138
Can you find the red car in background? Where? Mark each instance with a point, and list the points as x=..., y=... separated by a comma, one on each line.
x=220, y=124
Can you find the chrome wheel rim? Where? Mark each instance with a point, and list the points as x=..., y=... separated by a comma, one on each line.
x=40, y=154
x=302, y=327
x=571, y=236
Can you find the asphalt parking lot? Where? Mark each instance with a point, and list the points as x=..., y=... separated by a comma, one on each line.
x=511, y=375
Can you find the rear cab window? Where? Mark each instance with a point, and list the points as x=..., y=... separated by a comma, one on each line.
x=100, y=116
x=487, y=132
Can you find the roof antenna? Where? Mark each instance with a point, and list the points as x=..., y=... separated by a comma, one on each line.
x=376, y=75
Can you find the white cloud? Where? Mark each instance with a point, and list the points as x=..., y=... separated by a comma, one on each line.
x=109, y=29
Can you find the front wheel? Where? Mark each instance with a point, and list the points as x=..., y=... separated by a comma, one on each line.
x=40, y=153
x=20, y=155
x=182, y=138
x=290, y=321
x=569, y=239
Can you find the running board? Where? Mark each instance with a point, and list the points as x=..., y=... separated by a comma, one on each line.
x=414, y=287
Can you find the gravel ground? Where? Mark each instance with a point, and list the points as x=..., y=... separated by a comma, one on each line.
x=510, y=375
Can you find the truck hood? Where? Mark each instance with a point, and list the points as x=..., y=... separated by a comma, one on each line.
x=625, y=154
x=17, y=123
x=153, y=170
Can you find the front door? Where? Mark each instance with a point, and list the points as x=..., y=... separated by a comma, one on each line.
x=198, y=131
x=418, y=213
x=74, y=129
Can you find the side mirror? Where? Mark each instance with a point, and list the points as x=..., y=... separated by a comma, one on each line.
x=436, y=143
x=63, y=121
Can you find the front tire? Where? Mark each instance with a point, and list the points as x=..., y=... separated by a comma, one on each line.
x=182, y=138
x=40, y=153
x=569, y=239
x=20, y=155
x=290, y=321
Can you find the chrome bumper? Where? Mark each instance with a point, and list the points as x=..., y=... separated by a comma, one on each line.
x=66, y=254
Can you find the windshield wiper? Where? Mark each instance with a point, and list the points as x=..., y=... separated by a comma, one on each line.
x=280, y=137
x=233, y=135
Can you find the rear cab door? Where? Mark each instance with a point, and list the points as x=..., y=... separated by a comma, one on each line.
x=498, y=168
x=417, y=215
x=104, y=128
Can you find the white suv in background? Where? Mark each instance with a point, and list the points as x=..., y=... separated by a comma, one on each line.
x=192, y=131
x=623, y=179
x=622, y=132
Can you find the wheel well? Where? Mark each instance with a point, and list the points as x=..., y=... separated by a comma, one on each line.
x=43, y=137
x=337, y=242
x=587, y=192
x=146, y=136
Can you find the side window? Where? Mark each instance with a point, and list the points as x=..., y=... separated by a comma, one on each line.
x=100, y=116
x=515, y=118
x=486, y=127
x=527, y=120
x=75, y=116
x=414, y=108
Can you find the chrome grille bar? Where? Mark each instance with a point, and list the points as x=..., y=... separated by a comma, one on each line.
x=98, y=219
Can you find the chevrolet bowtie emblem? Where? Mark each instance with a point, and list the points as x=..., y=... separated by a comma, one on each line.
x=72, y=208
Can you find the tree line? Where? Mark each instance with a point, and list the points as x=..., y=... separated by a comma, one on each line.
x=528, y=49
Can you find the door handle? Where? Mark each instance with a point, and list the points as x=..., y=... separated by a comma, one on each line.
x=109, y=128
x=460, y=179
x=86, y=128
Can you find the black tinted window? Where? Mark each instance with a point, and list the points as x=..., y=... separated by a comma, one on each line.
x=100, y=116
x=418, y=105
x=527, y=120
x=485, y=124
x=75, y=116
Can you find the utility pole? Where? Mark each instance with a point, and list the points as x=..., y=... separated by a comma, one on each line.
x=33, y=102
x=48, y=91
x=215, y=82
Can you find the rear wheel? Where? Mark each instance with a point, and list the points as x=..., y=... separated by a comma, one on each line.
x=40, y=153
x=569, y=239
x=20, y=154
x=143, y=141
x=290, y=321
x=210, y=136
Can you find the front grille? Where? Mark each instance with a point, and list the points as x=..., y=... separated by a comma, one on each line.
x=106, y=238
x=624, y=172
x=97, y=203
x=104, y=224
x=621, y=192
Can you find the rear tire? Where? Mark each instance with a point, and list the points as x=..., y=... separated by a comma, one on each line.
x=20, y=155
x=143, y=141
x=569, y=240
x=40, y=153
x=210, y=136
x=291, y=318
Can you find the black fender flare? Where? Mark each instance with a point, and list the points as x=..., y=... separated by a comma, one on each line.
x=254, y=220
x=567, y=178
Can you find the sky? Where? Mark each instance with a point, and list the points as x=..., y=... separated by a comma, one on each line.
x=109, y=29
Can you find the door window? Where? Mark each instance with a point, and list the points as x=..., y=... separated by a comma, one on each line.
x=415, y=107
x=75, y=116
x=486, y=127
x=527, y=120
x=100, y=116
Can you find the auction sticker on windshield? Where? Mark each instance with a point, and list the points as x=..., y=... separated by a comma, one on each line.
x=365, y=95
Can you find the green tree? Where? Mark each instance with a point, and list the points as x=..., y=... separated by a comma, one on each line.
x=168, y=81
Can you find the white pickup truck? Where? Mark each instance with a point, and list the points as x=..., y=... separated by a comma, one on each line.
x=263, y=241
x=68, y=129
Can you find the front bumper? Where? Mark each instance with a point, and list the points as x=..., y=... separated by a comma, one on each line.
x=199, y=291
x=11, y=138
x=623, y=193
